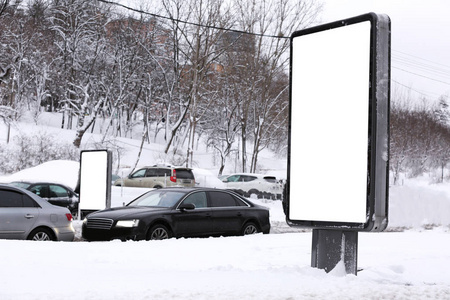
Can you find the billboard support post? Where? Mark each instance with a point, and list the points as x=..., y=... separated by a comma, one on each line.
x=331, y=247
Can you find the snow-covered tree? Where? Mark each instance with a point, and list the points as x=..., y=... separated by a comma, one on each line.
x=3, y=6
x=262, y=67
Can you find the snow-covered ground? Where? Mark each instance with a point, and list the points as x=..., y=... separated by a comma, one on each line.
x=400, y=265
x=409, y=261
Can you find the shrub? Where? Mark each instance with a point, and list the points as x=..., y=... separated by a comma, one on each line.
x=27, y=151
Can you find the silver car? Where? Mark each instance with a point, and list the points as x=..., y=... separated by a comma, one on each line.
x=159, y=176
x=26, y=216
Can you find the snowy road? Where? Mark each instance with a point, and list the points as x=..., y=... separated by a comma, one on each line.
x=403, y=265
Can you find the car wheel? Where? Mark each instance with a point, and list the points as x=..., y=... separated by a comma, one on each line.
x=157, y=187
x=253, y=191
x=159, y=232
x=41, y=234
x=250, y=228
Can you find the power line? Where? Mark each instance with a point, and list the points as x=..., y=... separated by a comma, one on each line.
x=191, y=23
x=440, y=81
x=440, y=72
x=420, y=67
x=439, y=69
x=424, y=93
x=436, y=63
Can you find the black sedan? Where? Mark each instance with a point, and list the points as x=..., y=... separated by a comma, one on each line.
x=54, y=193
x=178, y=212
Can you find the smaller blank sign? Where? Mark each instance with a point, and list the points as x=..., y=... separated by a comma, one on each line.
x=95, y=183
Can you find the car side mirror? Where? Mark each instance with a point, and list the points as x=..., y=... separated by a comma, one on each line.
x=187, y=206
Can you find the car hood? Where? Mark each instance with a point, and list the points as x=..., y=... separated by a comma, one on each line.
x=128, y=212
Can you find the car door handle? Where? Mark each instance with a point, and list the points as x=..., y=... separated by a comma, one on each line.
x=239, y=214
x=28, y=216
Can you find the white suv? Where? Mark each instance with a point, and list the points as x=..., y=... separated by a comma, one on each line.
x=246, y=184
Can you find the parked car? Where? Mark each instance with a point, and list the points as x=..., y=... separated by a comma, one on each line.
x=246, y=184
x=54, y=193
x=26, y=216
x=159, y=176
x=178, y=212
x=114, y=177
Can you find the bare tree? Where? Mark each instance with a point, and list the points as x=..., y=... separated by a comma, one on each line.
x=441, y=155
x=127, y=76
x=419, y=139
x=3, y=6
x=190, y=82
x=80, y=40
x=224, y=126
x=24, y=57
x=400, y=140
x=265, y=64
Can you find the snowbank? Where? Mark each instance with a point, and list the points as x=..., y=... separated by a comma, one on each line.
x=57, y=171
x=419, y=206
x=206, y=178
x=407, y=265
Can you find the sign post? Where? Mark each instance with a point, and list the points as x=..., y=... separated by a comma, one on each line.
x=339, y=135
x=329, y=247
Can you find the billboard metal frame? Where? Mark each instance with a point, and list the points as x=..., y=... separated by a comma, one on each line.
x=378, y=130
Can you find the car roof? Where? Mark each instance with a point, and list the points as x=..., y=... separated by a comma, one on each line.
x=166, y=166
x=188, y=190
x=183, y=189
x=9, y=187
x=192, y=189
x=254, y=174
x=35, y=197
x=42, y=182
x=38, y=182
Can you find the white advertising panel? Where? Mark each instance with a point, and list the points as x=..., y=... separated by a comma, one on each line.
x=95, y=183
x=334, y=124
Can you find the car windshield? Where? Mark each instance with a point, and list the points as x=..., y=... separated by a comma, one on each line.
x=184, y=174
x=158, y=198
x=23, y=185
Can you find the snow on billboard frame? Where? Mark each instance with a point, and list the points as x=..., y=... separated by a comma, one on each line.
x=336, y=69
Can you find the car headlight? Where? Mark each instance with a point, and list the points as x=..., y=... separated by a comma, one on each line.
x=127, y=223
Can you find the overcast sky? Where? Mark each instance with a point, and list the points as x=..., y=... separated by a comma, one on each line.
x=420, y=41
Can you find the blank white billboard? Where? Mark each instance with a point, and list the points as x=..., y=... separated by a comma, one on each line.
x=95, y=183
x=330, y=109
x=335, y=123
